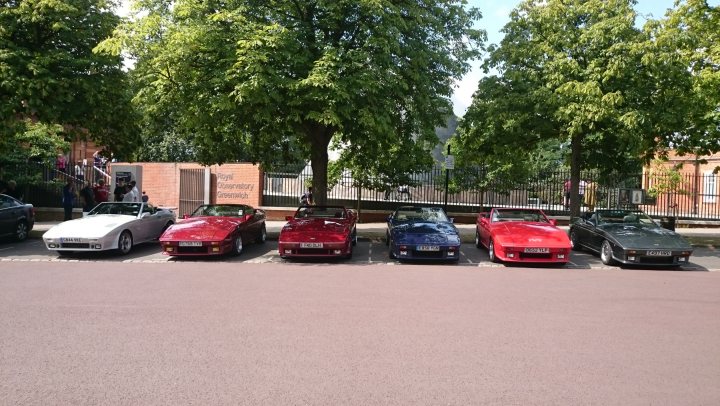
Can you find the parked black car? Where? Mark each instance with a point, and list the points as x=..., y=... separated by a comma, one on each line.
x=629, y=237
x=16, y=218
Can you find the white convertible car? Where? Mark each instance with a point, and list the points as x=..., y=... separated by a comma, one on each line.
x=109, y=226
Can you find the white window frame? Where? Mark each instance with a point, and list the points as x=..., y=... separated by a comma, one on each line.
x=709, y=187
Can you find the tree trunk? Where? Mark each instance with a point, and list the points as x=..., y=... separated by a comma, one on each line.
x=575, y=162
x=319, y=136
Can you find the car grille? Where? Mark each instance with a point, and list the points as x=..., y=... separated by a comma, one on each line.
x=657, y=260
x=191, y=250
x=314, y=251
x=428, y=254
x=535, y=255
x=76, y=245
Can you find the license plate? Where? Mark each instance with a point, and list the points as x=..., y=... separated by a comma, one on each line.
x=311, y=245
x=537, y=250
x=428, y=248
x=62, y=240
x=190, y=243
x=659, y=253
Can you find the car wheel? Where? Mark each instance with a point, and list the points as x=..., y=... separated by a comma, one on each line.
x=477, y=238
x=491, y=252
x=21, y=231
x=574, y=241
x=262, y=237
x=391, y=254
x=354, y=236
x=237, y=245
x=606, y=253
x=125, y=242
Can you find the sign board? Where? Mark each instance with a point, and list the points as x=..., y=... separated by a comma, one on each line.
x=450, y=162
x=631, y=196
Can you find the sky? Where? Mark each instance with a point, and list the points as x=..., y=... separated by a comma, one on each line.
x=496, y=14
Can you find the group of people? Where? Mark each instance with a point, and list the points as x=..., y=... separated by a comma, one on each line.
x=587, y=193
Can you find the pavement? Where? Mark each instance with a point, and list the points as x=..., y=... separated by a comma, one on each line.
x=697, y=236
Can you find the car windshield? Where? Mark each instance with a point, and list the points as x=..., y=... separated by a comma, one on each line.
x=622, y=217
x=128, y=209
x=519, y=215
x=321, y=212
x=221, y=210
x=433, y=214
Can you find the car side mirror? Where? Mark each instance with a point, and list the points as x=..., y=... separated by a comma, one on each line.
x=247, y=217
x=186, y=216
x=553, y=222
x=142, y=216
x=452, y=219
x=389, y=218
x=288, y=218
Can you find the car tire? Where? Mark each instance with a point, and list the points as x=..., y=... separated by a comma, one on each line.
x=574, y=243
x=606, y=253
x=491, y=252
x=262, y=237
x=125, y=242
x=350, y=250
x=478, y=244
x=21, y=231
x=237, y=245
x=391, y=254
x=354, y=236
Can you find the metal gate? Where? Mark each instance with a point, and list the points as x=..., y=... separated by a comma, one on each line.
x=194, y=189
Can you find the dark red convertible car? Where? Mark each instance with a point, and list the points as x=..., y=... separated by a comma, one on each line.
x=319, y=231
x=521, y=235
x=215, y=229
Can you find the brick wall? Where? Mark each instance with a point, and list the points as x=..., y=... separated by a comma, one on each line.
x=229, y=183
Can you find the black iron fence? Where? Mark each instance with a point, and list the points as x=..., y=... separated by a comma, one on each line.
x=683, y=196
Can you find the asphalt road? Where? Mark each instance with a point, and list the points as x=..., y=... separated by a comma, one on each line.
x=250, y=331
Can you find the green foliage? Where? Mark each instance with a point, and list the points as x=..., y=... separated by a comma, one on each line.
x=271, y=81
x=49, y=74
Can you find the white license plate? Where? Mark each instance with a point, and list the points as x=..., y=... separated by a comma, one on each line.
x=537, y=250
x=190, y=243
x=311, y=245
x=428, y=248
x=71, y=240
x=659, y=253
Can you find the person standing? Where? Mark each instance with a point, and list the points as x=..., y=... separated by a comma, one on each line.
x=61, y=163
x=590, y=195
x=307, y=198
x=87, y=197
x=13, y=191
x=101, y=192
x=119, y=191
x=68, y=199
x=566, y=189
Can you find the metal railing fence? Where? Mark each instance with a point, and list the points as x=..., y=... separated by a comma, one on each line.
x=687, y=196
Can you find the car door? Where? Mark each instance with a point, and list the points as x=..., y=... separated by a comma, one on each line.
x=483, y=224
x=8, y=214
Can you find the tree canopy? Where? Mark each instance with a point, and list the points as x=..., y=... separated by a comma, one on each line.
x=269, y=80
x=51, y=79
x=581, y=72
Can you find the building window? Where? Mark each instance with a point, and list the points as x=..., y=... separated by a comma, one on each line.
x=709, y=187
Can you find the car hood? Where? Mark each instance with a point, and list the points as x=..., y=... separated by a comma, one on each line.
x=201, y=229
x=425, y=232
x=530, y=234
x=95, y=226
x=315, y=230
x=645, y=236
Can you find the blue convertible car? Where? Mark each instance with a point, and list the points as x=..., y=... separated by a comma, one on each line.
x=420, y=233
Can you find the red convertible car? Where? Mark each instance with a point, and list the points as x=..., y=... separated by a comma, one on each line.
x=215, y=229
x=521, y=235
x=319, y=231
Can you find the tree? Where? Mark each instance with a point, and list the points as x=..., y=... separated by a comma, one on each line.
x=267, y=79
x=574, y=70
x=51, y=77
x=689, y=36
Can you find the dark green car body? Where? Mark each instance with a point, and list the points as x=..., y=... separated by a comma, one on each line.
x=629, y=237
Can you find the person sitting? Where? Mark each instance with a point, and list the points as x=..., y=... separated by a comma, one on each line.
x=630, y=218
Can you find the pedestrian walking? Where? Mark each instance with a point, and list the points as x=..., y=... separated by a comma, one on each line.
x=68, y=198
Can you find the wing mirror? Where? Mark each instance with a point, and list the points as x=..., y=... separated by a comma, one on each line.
x=553, y=222
x=186, y=216
x=452, y=219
